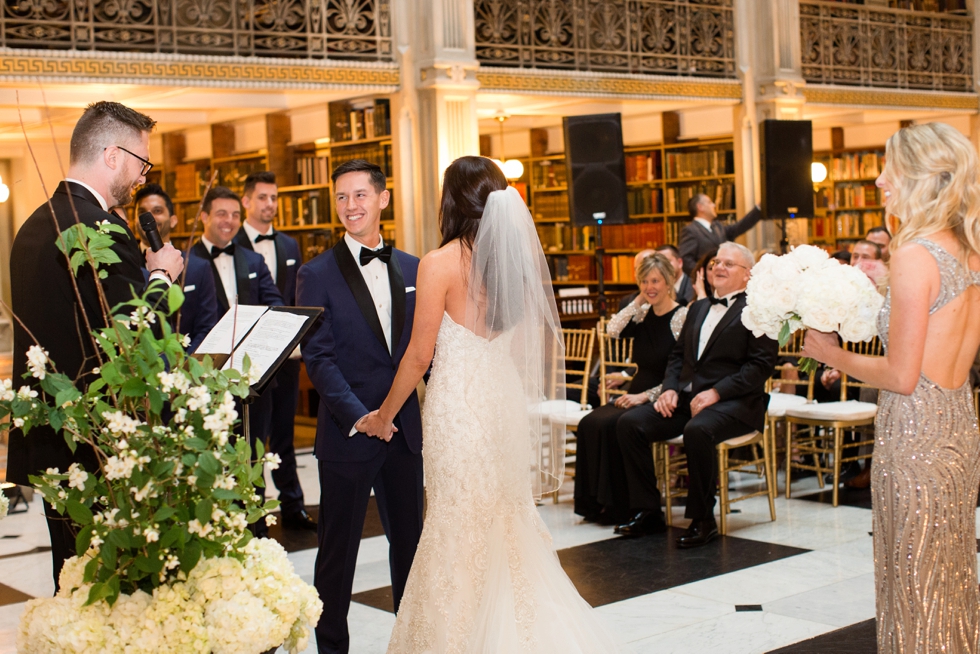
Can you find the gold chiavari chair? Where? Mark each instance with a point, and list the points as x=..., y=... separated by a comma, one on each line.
x=615, y=354
x=785, y=382
x=823, y=425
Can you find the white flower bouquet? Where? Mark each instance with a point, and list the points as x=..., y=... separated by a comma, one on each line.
x=4, y=505
x=808, y=289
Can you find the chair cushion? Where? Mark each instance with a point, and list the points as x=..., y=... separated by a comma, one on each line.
x=739, y=441
x=678, y=440
x=849, y=410
x=779, y=402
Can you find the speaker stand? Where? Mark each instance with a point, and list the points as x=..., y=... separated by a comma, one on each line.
x=784, y=241
x=599, y=252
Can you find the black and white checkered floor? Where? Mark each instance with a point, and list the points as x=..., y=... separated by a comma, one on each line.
x=801, y=584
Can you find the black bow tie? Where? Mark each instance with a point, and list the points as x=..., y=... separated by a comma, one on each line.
x=266, y=237
x=216, y=251
x=725, y=301
x=384, y=254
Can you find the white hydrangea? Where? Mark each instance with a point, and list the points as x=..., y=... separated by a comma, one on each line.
x=37, y=360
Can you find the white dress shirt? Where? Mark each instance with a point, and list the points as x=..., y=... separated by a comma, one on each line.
x=264, y=247
x=376, y=277
x=225, y=263
x=704, y=223
x=715, y=314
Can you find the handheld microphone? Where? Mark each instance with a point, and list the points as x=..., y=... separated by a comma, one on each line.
x=150, y=230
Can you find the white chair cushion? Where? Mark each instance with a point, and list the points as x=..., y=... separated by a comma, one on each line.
x=849, y=410
x=679, y=440
x=570, y=419
x=739, y=441
x=562, y=412
x=779, y=402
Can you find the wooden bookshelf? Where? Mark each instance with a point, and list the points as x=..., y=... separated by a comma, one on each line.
x=847, y=204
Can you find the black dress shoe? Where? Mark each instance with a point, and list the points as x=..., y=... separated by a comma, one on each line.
x=642, y=524
x=701, y=532
x=299, y=521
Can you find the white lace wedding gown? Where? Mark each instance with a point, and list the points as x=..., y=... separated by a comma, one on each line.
x=486, y=578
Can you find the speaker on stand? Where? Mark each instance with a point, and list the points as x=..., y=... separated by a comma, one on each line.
x=596, y=172
x=786, y=153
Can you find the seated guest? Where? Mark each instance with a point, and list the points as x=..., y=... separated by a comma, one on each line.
x=714, y=389
x=683, y=287
x=843, y=256
x=883, y=238
x=702, y=275
x=637, y=258
x=653, y=320
x=199, y=313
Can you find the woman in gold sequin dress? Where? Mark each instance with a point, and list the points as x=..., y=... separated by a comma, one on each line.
x=926, y=466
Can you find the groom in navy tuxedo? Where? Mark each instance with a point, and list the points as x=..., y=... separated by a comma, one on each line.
x=367, y=291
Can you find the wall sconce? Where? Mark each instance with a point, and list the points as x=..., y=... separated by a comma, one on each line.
x=818, y=172
x=4, y=191
x=511, y=168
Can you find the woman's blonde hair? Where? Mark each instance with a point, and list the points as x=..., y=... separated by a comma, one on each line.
x=936, y=176
x=659, y=262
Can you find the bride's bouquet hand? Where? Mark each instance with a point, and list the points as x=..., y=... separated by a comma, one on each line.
x=819, y=345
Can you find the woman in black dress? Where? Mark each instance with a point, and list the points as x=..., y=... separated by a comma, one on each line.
x=653, y=320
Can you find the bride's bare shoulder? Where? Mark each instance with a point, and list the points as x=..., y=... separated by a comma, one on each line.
x=443, y=259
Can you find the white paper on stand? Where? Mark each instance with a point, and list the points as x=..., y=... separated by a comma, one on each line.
x=218, y=340
x=265, y=342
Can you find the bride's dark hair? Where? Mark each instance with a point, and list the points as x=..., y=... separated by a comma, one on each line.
x=465, y=187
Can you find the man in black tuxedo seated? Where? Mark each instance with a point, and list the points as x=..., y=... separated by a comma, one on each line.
x=714, y=390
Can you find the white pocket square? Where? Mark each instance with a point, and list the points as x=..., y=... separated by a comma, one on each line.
x=253, y=275
x=409, y=289
x=290, y=262
x=189, y=288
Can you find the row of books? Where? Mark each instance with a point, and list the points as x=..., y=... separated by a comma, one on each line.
x=233, y=174
x=311, y=208
x=349, y=123
x=704, y=163
x=311, y=169
x=643, y=167
x=853, y=224
x=644, y=200
x=548, y=174
x=634, y=236
x=867, y=195
x=189, y=181
x=723, y=194
x=377, y=153
x=549, y=206
x=859, y=165
x=616, y=268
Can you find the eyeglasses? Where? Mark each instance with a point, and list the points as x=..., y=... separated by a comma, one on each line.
x=146, y=164
x=727, y=265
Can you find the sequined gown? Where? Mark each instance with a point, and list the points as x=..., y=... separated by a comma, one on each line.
x=924, y=479
x=485, y=578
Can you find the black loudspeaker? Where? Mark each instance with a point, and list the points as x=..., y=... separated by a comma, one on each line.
x=786, y=152
x=596, y=169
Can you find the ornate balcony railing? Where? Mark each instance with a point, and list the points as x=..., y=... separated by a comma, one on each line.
x=667, y=37
x=315, y=29
x=865, y=46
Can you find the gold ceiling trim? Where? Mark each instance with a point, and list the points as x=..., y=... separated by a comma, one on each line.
x=597, y=84
x=227, y=72
x=890, y=98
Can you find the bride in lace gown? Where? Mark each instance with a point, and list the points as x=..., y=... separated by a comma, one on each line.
x=486, y=578
x=926, y=466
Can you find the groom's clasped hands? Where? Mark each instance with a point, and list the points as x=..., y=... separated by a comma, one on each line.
x=373, y=425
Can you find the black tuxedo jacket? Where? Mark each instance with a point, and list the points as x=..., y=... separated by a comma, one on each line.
x=255, y=285
x=734, y=363
x=696, y=241
x=43, y=298
x=288, y=262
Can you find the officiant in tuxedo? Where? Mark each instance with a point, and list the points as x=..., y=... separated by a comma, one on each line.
x=281, y=254
x=199, y=312
x=108, y=159
x=704, y=233
x=367, y=291
x=240, y=276
x=714, y=389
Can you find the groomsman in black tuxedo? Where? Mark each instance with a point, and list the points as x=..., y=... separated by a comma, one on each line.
x=705, y=233
x=239, y=275
x=367, y=291
x=281, y=254
x=199, y=312
x=714, y=390
x=109, y=158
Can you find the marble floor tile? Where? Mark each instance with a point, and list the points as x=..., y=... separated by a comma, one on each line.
x=733, y=633
x=840, y=604
x=641, y=617
x=24, y=532
x=859, y=638
x=29, y=573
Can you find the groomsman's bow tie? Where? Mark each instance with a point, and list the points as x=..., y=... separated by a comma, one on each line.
x=384, y=254
x=266, y=237
x=216, y=251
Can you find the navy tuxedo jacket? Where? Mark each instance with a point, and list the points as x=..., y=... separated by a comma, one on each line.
x=346, y=355
x=287, y=262
x=734, y=363
x=199, y=312
x=255, y=285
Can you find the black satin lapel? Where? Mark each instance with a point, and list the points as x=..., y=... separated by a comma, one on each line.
x=219, y=289
x=243, y=282
x=355, y=281
x=280, y=266
x=242, y=239
x=397, y=282
x=703, y=309
x=735, y=311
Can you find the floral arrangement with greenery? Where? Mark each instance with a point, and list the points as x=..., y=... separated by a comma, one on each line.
x=165, y=562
